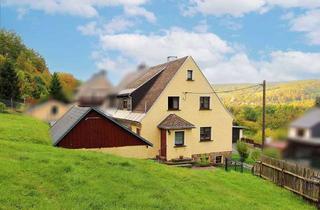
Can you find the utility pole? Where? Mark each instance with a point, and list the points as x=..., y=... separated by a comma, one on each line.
x=263, y=113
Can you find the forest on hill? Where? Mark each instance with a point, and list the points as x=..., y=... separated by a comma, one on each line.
x=286, y=101
x=296, y=93
x=25, y=71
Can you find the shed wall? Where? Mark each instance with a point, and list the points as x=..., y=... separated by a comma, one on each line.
x=95, y=131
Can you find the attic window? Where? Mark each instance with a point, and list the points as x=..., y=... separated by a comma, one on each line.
x=204, y=102
x=173, y=103
x=189, y=75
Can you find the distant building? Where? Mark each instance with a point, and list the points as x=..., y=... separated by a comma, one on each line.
x=49, y=111
x=304, y=138
x=95, y=91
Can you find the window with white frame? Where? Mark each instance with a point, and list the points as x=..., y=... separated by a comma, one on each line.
x=179, y=138
x=205, y=133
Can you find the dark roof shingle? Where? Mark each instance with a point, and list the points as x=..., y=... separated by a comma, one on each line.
x=164, y=73
x=174, y=122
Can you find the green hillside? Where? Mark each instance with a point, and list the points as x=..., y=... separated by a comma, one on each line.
x=302, y=93
x=39, y=176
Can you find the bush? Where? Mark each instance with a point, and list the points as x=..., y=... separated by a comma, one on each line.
x=255, y=155
x=203, y=161
x=3, y=107
x=242, y=150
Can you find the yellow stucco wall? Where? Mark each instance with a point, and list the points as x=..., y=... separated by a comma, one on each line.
x=43, y=111
x=127, y=151
x=218, y=117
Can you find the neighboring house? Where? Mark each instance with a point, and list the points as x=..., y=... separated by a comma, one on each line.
x=49, y=111
x=173, y=106
x=95, y=91
x=237, y=133
x=304, y=139
x=87, y=127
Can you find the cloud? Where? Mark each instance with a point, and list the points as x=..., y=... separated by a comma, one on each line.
x=140, y=11
x=308, y=23
x=305, y=4
x=115, y=25
x=222, y=62
x=238, y=8
x=201, y=27
x=154, y=48
x=89, y=29
x=281, y=66
x=83, y=8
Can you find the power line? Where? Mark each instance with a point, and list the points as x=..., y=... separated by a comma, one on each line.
x=224, y=91
x=238, y=89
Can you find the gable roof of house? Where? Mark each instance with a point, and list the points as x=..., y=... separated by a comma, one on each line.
x=310, y=119
x=45, y=103
x=75, y=114
x=173, y=121
x=164, y=73
x=97, y=86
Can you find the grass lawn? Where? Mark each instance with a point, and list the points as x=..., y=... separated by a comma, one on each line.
x=38, y=176
x=17, y=127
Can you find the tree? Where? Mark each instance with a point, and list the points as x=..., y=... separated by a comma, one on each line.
x=9, y=84
x=55, y=89
x=242, y=150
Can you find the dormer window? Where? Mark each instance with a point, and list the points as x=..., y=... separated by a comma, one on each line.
x=189, y=75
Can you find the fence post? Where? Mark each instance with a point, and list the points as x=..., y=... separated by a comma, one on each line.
x=282, y=176
x=253, y=168
x=260, y=167
x=226, y=164
x=241, y=167
x=318, y=204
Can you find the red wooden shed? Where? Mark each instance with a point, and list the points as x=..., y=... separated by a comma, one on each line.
x=87, y=127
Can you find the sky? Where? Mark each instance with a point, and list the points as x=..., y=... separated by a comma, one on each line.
x=232, y=41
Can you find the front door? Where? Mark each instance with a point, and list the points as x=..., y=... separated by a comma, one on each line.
x=163, y=149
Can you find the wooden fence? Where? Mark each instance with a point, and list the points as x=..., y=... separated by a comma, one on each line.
x=252, y=142
x=298, y=179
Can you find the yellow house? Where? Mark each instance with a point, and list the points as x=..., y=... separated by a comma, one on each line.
x=49, y=111
x=173, y=106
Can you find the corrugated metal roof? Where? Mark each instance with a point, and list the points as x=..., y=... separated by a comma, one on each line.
x=125, y=114
x=310, y=119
